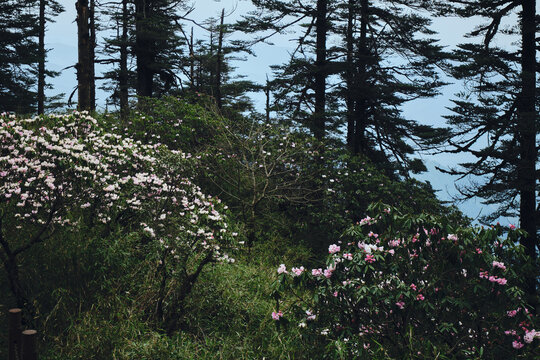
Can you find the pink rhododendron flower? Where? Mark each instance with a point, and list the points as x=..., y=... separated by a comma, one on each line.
x=517, y=345
x=332, y=249
x=400, y=304
x=328, y=273
x=452, y=237
x=529, y=336
x=347, y=256
x=277, y=315
x=511, y=313
x=413, y=287
x=420, y=297
x=316, y=272
x=298, y=271
x=394, y=243
x=310, y=316
x=370, y=258
x=500, y=265
x=282, y=269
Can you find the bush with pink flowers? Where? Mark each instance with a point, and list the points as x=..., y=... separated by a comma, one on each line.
x=412, y=286
x=67, y=174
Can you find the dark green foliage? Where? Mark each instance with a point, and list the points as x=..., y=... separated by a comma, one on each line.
x=496, y=119
x=387, y=57
x=18, y=56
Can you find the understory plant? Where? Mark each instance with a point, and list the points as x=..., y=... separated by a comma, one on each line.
x=412, y=286
x=66, y=173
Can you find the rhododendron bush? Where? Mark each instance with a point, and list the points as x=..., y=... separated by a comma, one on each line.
x=63, y=173
x=404, y=286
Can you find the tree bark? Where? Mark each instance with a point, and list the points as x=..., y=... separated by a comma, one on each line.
x=143, y=49
x=361, y=83
x=319, y=116
x=85, y=63
x=219, y=61
x=41, y=60
x=527, y=137
x=123, y=75
x=349, y=74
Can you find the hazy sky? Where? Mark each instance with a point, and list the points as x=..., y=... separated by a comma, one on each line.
x=61, y=38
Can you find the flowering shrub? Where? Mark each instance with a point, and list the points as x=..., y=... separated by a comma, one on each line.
x=404, y=286
x=67, y=172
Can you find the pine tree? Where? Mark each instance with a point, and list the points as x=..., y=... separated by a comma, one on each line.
x=86, y=54
x=18, y=55
x=387, y=58
x=158, y=45
x=302, y=83
x=51, y=8
x=495, y=121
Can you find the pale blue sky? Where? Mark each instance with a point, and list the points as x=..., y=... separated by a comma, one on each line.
x=62, y=40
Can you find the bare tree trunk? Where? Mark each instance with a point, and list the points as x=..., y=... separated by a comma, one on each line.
x=41, y=61
x=123, y=75
x=219, y=61
x=92, y=56
x=267, y=94
x=319, y=117
x=191, y=62
x=143, y=49
x=527, y=137
x=85, y=63
x=360, y=83
x=349, y=74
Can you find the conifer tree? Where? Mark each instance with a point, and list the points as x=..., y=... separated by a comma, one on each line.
x=18, y=55
x=496, y=120
x=387, y=57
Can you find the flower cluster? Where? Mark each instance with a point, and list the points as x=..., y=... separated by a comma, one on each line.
x=402, y=262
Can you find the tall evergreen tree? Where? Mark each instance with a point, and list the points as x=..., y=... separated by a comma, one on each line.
x=496, y=120
x=158, y=45
x=86, y=55
x=118, y=51
x=18, y=55
x=47, y=8
x=390, y=58
x=387, y=58
x=302, y=83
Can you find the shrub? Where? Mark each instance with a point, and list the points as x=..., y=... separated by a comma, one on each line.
x=412, y=286
x=68, y=172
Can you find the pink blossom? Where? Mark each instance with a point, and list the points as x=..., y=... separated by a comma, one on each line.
x=400, y=304
x=413, y=287
x=517, y=345
x=529, y=336
x=420, y=297
x=511, y=313
x=298, y=271
x=452, y=237
x=277, y=315
x=310, y=316
x=332, y=249
x=394, y=243
x=500, y=265
x=316, y=272
x=282, y=269
x=348, y=256
x=370, y=258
